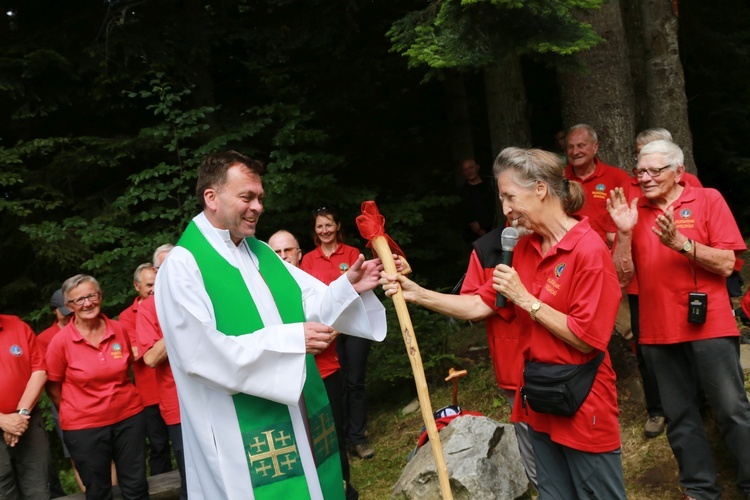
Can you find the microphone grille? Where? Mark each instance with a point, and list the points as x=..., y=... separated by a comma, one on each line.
x=509, y=238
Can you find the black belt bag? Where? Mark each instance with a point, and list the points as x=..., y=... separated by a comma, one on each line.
x=558, y=389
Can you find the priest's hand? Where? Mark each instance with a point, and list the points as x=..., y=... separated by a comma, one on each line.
x=317, y=337
x=364, y=275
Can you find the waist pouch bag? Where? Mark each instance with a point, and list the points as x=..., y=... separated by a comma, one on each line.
x=558, y=389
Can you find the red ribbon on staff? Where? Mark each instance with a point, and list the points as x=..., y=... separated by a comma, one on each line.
x=371, y=224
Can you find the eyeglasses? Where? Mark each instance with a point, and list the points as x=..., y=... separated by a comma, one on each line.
x=652, y=172
x=284, y=251
x=92, y=297
x=319, y=209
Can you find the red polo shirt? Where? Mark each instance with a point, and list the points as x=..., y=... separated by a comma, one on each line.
x=327, y=270
x=20, y=356
x=576, y=277
x=503, y=338
x=149, y=333
x=597, y=187
x=145, y=376
x=633, y=190
x=702, y=215
x=96, y=388
x=44, y=338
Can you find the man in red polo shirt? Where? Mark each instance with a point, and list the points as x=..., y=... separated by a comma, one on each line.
x=24, y=452
x=62, y=318
x=596, y=177
x=688, y=237
x=154, y=354
x=160, y=457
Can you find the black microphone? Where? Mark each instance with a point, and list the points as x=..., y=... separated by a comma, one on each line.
x=508, y=241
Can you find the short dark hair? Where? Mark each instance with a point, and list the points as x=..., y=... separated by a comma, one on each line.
x=213, y=171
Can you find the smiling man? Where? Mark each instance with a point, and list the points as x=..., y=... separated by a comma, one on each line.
x=241, y=326
x=597, y=178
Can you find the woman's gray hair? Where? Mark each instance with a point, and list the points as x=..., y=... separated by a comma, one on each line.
x=529, y=166
x=669, y=151
x=76, y=280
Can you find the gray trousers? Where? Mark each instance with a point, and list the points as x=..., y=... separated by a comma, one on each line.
x=524, y=441
x=565, y=473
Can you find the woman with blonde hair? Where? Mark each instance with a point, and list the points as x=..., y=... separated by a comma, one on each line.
x=101, y=413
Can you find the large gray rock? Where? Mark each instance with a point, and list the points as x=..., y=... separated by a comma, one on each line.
x=483, y=463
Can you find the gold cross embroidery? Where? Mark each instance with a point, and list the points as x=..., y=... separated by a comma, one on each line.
x=273, y=453
x=325, y=432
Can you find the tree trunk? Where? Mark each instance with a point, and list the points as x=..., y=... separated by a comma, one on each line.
x=506, y=104
x=632, y=20
x=665, y=80
x=459, y=122
x=603, y=96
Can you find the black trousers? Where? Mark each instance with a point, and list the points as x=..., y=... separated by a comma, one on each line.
x=159, y=456
x=94, y=449
x=175, y=434
x=353, y=352
x=650, y=385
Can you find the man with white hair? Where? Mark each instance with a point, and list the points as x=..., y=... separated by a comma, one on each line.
x=160, y=456
x=687, y=236
x=596, y=177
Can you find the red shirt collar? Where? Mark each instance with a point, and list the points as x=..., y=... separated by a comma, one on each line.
x=77, y=337
x=598, y=171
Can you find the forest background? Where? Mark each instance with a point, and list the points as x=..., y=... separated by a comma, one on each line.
x=106, y=109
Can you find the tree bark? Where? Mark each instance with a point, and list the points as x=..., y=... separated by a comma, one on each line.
x=506, y=104
x=665, y=80
x=632, y=20
x=603, y=96
x=459, y=121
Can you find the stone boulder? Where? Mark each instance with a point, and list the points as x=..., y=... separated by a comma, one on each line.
x=483, y=463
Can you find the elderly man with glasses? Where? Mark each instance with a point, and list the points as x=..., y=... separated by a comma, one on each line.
x=685, y=240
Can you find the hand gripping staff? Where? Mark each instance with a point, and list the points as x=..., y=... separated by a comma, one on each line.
x=372, y=227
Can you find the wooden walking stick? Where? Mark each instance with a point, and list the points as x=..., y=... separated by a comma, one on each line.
x=372, y=227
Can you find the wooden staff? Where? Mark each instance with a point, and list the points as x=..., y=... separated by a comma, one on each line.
x=454, y=375
x=381, y=247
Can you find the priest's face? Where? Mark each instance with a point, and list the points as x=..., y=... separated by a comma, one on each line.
x=237, y=204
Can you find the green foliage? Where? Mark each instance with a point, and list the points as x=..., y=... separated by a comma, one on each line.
x=468, y=34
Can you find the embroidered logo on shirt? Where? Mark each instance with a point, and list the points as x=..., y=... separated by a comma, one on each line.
x=16, y=351
x=343, y=267
x=600, y=192
x=685, y=221
x=116, y=351
x=559, y=269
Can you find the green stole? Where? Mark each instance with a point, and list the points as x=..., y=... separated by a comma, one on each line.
x=267, y=434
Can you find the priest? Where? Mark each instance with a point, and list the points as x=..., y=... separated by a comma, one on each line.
x=241, y=327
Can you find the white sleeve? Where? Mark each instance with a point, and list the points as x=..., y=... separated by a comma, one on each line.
x=339, y=306
x=269, y=364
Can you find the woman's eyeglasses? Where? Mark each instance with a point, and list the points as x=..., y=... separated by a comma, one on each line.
x=92, y=297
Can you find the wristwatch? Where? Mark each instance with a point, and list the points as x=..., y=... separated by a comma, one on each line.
x=687, y=247
x=24, y=412
x=534, y=308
